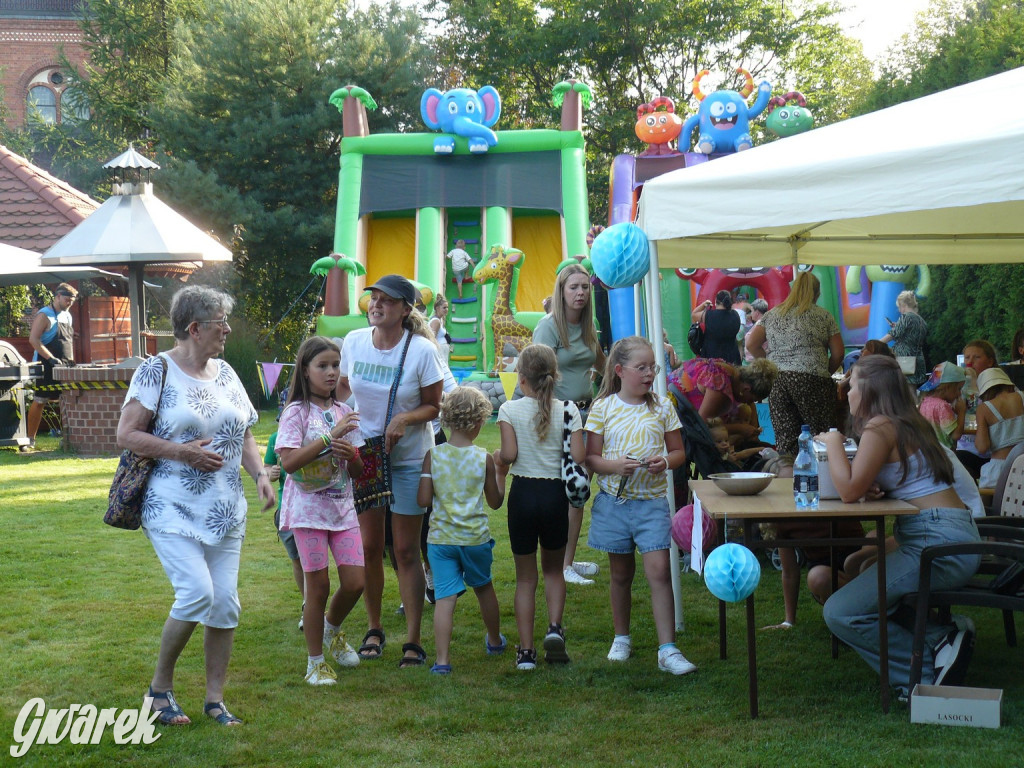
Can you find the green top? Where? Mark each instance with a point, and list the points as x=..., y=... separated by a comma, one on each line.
x=574, y=361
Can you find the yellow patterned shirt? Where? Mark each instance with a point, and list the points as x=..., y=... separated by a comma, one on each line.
x=633, y=430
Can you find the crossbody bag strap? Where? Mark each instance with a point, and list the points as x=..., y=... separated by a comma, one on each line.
x=398, y=378
x=160, y=396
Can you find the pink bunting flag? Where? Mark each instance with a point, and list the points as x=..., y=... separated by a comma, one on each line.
x=271, y=373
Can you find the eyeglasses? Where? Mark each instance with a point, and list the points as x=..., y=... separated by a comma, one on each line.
x=223, y=323
x=643, y=370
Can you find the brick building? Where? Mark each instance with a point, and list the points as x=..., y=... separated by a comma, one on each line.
x=32, y=34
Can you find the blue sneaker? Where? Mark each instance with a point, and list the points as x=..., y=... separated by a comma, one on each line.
x=495, y=650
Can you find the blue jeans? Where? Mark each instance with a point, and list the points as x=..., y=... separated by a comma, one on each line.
x=852, y=612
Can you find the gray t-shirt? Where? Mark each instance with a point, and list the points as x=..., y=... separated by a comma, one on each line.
x=574, y=361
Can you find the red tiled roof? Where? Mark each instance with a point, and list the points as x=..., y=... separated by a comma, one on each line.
x=37, y=209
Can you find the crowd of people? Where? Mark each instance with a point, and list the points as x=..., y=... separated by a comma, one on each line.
x=359, y=481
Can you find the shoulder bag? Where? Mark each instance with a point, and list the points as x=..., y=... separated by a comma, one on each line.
x=574, y=476
x=373, y=488
x=695, y=338
x=124, y=503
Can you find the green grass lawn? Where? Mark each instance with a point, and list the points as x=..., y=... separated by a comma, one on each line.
x=81, y=607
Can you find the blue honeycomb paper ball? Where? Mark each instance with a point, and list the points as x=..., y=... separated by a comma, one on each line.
x=620, y=255
x=732, y=573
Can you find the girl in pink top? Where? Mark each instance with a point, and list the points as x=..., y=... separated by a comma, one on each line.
x=318, y=443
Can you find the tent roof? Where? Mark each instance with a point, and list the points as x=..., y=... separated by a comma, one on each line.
x=21, y=267
x=937, y=180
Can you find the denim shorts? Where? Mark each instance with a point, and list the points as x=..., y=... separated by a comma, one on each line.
x=457, y=567
x=405, y=482
x=641, y=524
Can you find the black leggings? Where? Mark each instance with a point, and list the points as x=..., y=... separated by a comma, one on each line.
x=538, y=511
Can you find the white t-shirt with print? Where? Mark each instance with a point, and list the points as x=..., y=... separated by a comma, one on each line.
x=181, y=499
x=371, y=371
x=633, y=430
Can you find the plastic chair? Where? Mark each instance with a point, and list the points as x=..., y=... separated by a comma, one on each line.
x=1008, y=496
x=1003, y=591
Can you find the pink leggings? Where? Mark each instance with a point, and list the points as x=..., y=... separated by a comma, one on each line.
x=312, y=543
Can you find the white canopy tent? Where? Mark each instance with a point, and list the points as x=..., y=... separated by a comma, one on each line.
x=937, y=180
x=21, y=267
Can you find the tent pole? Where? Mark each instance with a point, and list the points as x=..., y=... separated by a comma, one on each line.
x=655, y=328
x=135, y=298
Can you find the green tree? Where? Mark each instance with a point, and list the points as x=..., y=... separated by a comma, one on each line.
x=247, y=102
x=630, y=51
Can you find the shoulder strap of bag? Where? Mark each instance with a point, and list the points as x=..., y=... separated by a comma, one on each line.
x=160, y=396
x=398, y=377
x=566, y=423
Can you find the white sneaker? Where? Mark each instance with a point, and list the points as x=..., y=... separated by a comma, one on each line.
x=620, y=651
x=673, y=661
x=343, y=653
x=571, y=577
x=584, y=568
x=321, y=674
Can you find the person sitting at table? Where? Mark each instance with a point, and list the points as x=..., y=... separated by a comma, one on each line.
x=942, y=405
x=1000, y=422
x=979, y=356
x=899, y=452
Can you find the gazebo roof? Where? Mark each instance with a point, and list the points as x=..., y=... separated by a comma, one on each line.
x=37, y=209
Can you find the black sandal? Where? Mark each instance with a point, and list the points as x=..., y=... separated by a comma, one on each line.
x=412, y=661
x=370, y=651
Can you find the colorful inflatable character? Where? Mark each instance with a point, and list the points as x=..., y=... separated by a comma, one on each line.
x=658, y=125
x=787, y=120
x=772, y=282
x=463, y=112
x=724, y=117
x=502, y=267
x=887, y=281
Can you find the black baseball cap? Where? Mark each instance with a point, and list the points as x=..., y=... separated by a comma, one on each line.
x=397, y=287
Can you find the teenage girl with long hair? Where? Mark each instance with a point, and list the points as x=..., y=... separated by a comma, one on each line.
x=900, y=455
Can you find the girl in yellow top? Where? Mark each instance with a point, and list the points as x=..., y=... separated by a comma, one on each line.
x=634, y=438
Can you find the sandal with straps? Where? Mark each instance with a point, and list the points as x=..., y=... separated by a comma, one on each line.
x=370, y=651
x=166, y=715
x=412, y=661
x=224, y=717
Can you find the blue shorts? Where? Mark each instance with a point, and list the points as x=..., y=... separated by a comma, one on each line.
x=405, y=482
x=644, y=524
x=456, y=567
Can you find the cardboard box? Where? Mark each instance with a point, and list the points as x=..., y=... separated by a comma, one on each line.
x=953, y=705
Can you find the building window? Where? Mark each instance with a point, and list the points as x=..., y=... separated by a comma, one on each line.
x=53, y=98
x=74, y=105
x=43, y=102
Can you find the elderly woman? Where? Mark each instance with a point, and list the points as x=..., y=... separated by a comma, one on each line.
x=395, y=359
x=719, y=390
x=804, y=341
x=194, y=510
x=909, y=333
x=569, y=330
x=757, y=310
x=721, y=327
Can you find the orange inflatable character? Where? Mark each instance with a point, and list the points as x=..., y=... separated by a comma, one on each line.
x=658, y=125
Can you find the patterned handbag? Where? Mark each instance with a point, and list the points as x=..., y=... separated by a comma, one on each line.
x=373, y=487
x=574, y=476
x=124, y=504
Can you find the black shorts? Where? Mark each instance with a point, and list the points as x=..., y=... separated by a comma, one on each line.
x=538, y=511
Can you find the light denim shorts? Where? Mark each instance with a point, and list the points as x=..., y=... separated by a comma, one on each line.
x=405, y=482
x=641, y=524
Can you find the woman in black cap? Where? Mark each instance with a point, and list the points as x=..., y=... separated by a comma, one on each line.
x=397, y=344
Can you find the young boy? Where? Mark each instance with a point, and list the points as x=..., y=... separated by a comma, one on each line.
x=942, y=405
x=457, y=477
x=461, y=261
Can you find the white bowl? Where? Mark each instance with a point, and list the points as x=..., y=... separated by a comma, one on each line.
x=742, y=483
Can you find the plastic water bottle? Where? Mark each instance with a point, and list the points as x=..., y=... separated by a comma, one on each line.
x=805, y=472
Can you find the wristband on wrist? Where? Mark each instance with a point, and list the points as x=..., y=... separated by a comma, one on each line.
x=327, y=441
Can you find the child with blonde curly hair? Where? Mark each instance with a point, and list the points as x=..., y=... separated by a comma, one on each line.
x=457, y=477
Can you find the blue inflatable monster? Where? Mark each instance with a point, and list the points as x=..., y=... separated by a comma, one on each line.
x=724, y=116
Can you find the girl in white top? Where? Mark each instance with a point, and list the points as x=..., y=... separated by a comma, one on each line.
x=531, y=449
x=633, y=439
x=317, y=505
x=437, y=326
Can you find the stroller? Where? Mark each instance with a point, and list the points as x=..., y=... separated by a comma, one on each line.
x=701, y=452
